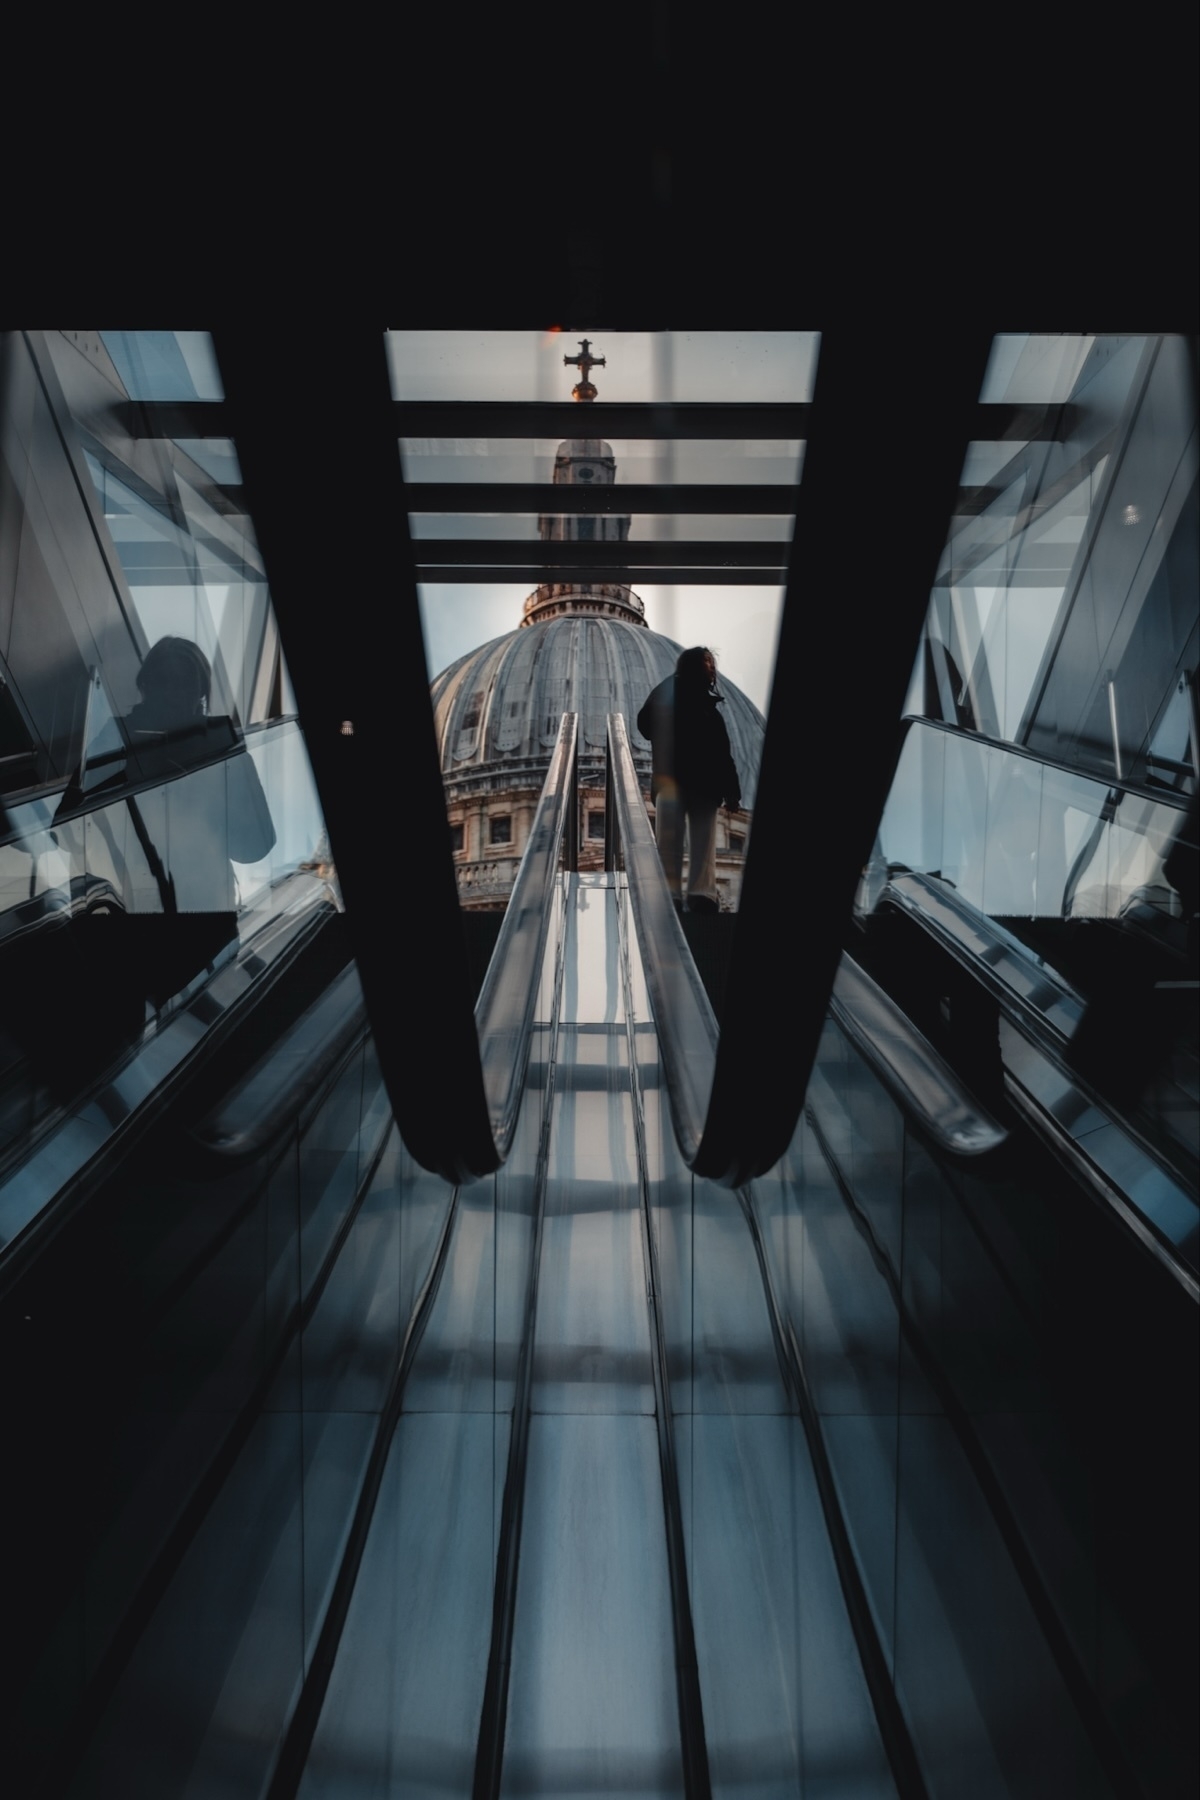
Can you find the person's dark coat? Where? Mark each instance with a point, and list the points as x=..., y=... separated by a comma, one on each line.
x=690, y=744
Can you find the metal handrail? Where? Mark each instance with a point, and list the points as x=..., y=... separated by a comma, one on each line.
x=1113, y=785
x=926, y=1088
x=911, y=1070
x=507, y=1000
x=687, y=1026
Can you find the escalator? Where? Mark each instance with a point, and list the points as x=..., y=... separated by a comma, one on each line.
x=992, y=1324
x=1044, y=1298
x=521, y=1572
x=1024, y=911
x=635, y=1509
x=1006, y=1378
x=882, y=1451
x=556, y=1455
x=152, y=1302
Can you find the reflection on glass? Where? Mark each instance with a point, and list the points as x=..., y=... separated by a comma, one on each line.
x=165, y=365
x=193, y=570
x=1068, y=574
x=1036, y=368
x=1025, y=840
x=125, y=906
x=103, y=759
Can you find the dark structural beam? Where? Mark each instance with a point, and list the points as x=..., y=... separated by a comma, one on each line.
x=351, y=632
x=627, y=574
x=847, y=642
x=992, y=422
x=600, y=419
x=989, y=423
x=711, y=499
x=586, y=560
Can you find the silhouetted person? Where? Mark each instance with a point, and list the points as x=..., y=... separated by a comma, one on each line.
x=693, y=774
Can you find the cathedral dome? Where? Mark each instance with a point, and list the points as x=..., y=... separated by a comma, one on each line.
x=497, y=709
x=582, y=647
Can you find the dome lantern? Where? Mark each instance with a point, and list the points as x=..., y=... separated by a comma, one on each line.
x=584, y=462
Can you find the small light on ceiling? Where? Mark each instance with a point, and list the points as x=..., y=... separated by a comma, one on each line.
x=347, y=727
x=1132, y=515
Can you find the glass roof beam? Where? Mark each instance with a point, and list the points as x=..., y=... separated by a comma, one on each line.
x=706, y=498
x=625, y=574
x=587, y=559
x=991, y=422
x=605, y=418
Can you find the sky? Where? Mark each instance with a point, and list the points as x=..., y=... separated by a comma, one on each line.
x=740, y=624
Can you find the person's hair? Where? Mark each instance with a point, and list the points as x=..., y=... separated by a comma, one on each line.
x=173, y=663
x=691, y=669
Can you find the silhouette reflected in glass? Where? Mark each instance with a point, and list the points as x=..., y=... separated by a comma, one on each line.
x=166, y=907
x=218, y=814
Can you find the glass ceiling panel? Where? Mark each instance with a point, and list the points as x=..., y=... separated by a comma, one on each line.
x=654, y=528
x=661, y=460
x=216, y=456
x=1063, y=558
x=1035, y=368
x=764, y=367
x=729, y=601
x=165, y=365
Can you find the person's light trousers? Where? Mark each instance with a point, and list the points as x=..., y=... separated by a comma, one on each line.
x=678, y=817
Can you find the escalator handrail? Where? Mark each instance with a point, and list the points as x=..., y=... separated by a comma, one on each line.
x=1032, y=994
x=134, y=1096
x=1112, y=786
x=686, y=1024
x=930, y=1093
x=264, y=1107
x=504, y=1012
x=1138, y=1182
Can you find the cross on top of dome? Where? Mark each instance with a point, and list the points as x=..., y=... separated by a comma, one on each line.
x=585, y=362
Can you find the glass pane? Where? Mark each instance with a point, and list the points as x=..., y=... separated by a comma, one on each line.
x=165, y=365
x=685, y=366
x=651, y=528
x=766, y=461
